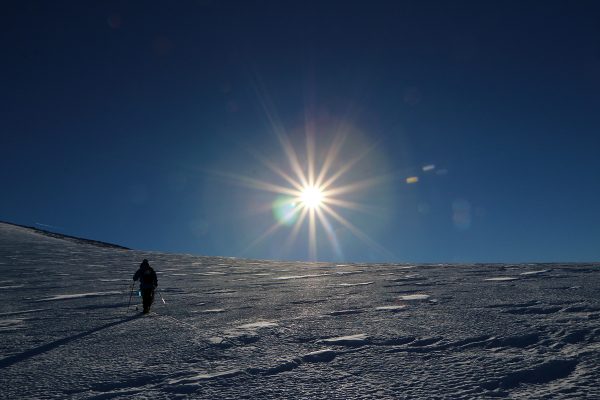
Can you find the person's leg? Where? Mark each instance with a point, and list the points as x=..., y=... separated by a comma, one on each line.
x=146, y=299
x=151, y=300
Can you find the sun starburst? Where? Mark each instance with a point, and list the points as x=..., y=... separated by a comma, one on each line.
x=312, y=195
x=316, y=185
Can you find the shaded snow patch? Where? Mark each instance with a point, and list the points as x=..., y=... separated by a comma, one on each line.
x=501, y=279
x=23, y=312
x=542, y=373
x=10, y=324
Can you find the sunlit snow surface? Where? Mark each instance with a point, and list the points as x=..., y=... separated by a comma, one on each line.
x=239, y=329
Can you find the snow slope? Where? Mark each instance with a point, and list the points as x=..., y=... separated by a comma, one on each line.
x=241, y=329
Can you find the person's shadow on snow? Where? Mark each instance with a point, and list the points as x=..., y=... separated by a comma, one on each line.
x=8, y=361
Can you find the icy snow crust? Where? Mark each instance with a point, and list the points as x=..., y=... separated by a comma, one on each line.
x=240, y=329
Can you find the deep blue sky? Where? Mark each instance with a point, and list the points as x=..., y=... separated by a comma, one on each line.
x=124, y=122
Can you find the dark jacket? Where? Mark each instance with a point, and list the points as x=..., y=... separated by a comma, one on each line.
x=147, y=277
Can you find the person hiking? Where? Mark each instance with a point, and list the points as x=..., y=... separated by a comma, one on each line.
x=148, y=283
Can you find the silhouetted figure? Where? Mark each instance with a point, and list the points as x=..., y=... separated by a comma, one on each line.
x=148, y=283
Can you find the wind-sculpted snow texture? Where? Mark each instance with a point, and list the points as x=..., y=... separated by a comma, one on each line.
x=241, y=329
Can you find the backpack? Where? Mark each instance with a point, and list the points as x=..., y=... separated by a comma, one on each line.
x=147, y=277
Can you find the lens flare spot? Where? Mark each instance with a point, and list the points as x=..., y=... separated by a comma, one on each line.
x=461, y=214
x=285, y=210
x=412, y=179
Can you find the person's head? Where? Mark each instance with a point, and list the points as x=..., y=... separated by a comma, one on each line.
x=145, y=263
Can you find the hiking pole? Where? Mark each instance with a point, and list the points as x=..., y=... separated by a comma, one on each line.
x=161, y=297
x=130, y=294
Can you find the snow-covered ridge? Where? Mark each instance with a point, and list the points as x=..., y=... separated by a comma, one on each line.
x=65, y=237
x=232, y=328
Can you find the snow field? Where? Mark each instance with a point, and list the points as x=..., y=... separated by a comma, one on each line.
x=235, y=329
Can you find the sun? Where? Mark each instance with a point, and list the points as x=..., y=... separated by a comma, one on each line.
x=315, y=190
x=313, y=194
x=311, y=197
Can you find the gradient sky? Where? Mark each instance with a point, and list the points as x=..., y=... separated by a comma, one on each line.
x=137, y=123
